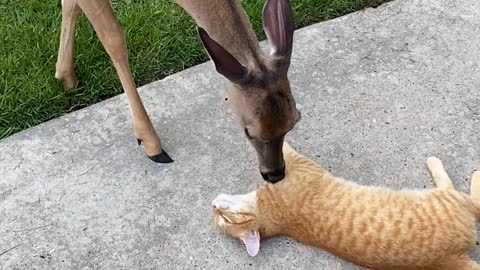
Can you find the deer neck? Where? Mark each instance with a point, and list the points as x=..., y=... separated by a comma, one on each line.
x=226, y=22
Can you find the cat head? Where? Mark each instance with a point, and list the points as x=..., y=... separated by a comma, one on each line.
x=236, y=216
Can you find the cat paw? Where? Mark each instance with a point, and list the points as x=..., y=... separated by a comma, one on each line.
x=433, y=162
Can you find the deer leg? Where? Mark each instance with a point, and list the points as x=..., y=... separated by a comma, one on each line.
x=103, y=19
x=64, y=68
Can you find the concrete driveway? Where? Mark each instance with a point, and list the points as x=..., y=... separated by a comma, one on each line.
x=380, y=90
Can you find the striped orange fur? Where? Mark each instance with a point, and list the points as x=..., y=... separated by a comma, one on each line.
x=373, y=227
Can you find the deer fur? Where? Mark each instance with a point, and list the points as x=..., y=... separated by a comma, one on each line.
x=258, y=89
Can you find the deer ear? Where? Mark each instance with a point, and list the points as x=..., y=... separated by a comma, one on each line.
x=225, y=63
x=279, y=27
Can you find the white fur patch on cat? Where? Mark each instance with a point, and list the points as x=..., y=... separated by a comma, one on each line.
x=233, y=202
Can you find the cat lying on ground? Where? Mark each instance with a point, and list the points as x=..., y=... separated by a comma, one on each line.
x=373, y=227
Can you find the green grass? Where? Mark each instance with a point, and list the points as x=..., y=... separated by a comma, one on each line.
x=161, y=38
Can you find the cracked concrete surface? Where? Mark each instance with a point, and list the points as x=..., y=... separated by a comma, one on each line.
x=380, y=90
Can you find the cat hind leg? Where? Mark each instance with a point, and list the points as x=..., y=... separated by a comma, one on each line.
x=475, y=192
x=438, y=173
x=475, y=186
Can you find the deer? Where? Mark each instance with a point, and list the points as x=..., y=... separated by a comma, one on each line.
x=258, y=88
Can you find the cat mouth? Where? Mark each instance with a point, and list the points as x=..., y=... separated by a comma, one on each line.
x=223, y=202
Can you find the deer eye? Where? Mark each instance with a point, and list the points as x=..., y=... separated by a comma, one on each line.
x=248, y=134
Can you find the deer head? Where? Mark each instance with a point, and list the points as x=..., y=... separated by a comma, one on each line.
x=259, y=90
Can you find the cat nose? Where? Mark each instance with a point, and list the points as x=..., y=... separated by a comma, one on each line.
x=219, y=201
x=214, y=207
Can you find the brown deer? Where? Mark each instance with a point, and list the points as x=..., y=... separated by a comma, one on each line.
x=259, y=90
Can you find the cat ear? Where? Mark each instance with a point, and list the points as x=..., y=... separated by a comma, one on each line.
x=251, y=240
x=287, y=149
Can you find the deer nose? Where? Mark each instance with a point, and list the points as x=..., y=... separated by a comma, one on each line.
x=274, y=176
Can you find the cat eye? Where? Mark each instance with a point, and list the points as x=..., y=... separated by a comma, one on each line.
x=226, y=219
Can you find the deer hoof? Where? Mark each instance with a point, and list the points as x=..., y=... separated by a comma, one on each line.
x=69, y=81
x=161, y=158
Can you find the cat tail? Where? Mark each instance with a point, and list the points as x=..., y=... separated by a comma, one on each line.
x=475, y=192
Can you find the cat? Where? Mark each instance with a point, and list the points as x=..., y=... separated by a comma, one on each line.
x=373, y=227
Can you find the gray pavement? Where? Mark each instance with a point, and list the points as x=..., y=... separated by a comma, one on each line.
x=380, y=90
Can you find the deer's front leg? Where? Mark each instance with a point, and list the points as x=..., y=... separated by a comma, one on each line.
x=101, y=16
x=64, y=68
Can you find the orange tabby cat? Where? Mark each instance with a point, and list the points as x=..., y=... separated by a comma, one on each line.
x=373, y=227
